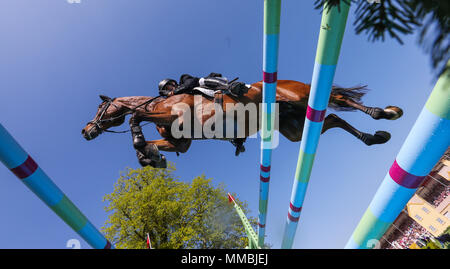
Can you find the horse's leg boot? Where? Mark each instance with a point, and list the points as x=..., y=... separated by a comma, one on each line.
x=138, y=137
x=151, y=152
x=143, y=161
x=160, y=164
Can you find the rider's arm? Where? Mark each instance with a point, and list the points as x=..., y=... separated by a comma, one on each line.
x=187, y=83
x=214, y=75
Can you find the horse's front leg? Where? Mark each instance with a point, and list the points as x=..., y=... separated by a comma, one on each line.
x=147, y=153
x=136, y=132
x=169, y=143
x=172, y=145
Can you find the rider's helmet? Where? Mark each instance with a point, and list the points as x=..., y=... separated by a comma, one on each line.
x=162, y=86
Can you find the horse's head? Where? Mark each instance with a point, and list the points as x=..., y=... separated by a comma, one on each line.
x=110, y=113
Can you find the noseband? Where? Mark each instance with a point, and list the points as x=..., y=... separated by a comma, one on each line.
x=99, y=121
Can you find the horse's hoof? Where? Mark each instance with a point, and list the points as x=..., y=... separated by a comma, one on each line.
x=148, y=157
x=147, y=162
x=162, y=163
x=151, y=152
x=380, y=137
x=392, y=112
x=143, y=160
x=239, y=149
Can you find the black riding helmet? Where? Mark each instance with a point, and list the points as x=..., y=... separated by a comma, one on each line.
x=162, y=86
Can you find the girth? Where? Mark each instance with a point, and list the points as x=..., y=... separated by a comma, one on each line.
x=218, y=98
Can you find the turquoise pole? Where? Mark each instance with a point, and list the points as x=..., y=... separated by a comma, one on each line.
x=422, y=149
x=272, y=10
x=328, y=48
x=28, y=171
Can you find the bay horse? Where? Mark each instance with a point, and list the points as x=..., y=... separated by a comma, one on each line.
x=292, y=97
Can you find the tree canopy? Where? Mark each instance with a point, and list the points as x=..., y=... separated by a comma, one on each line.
x=402, y=17
x=175, y=214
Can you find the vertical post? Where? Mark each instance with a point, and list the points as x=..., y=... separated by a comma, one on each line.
x=330, y=38
x=272, y=9
x=28, y=171
x=422, y=149
x=251, y=235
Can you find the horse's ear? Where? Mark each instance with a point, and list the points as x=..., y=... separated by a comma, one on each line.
x=104, y=98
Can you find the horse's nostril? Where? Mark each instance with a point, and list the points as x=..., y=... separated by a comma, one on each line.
x=83, y=131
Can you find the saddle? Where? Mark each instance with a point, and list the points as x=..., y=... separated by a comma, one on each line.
x=233, y=88
x=217, y=94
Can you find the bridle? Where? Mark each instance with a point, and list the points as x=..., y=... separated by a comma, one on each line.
x=100, y=121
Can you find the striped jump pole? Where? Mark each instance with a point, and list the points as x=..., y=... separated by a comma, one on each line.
x=422, y=149
x=28, y=171
x=272, y=10
x=328, y=48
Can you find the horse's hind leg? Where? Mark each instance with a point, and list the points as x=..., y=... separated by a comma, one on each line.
x=389, y=112
x=333, y=121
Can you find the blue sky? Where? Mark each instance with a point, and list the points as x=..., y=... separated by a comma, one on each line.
x=56, y=58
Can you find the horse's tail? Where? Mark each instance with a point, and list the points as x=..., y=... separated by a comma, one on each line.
x=339, y=95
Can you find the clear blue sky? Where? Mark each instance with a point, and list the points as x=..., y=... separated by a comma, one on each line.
x=56, y=57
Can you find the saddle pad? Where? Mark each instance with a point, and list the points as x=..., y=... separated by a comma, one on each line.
x=205, y=91
x=210, y=92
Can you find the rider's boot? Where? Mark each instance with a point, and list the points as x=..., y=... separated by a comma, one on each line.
x=219, y=83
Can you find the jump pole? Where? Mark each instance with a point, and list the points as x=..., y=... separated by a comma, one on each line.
x=272, y=9
x=328, y=48
x=28, y=171
x=251, y=235
x=422, y=149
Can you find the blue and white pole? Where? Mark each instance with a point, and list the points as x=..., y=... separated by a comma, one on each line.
x=28, y=171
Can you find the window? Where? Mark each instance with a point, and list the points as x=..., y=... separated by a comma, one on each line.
x=447, y=214
x=425, y=210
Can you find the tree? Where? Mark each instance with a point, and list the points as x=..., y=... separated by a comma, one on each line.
x=401, y=17
x=175, y=214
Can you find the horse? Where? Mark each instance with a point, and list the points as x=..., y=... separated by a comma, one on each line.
x=291, y=97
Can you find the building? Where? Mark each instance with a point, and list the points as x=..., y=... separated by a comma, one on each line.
x=427, y=214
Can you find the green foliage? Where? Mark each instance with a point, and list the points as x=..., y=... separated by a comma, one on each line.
x=441, y=242
x=176, y=214
x=431, y=245
x=402, y=17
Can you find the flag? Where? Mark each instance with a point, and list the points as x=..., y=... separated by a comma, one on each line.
x=149, y=244
x=230, y=198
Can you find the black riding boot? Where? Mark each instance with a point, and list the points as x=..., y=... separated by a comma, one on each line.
x=219, y=83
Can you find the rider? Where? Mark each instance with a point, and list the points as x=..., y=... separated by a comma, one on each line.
x=169, y=87
x=215, y=81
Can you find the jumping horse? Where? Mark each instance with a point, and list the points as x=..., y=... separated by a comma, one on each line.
x=292, y=97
